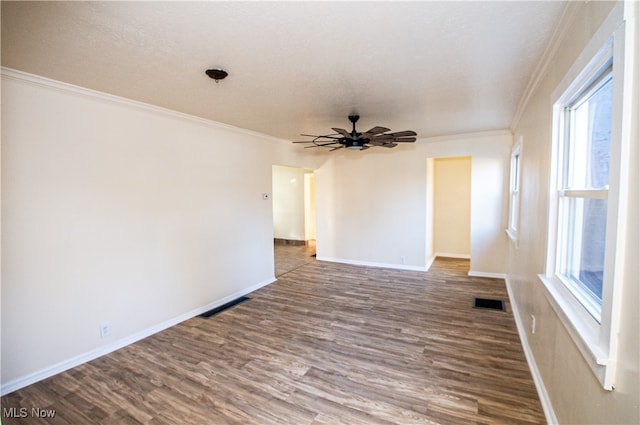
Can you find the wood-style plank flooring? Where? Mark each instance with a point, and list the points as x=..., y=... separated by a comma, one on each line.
x=290, y=257
x=325, y=344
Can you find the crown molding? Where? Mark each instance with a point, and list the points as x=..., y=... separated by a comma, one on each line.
x=458, y=136
x=559, y=33
x=48, y=83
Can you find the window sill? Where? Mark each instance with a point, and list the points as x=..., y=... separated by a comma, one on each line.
x=582, y=327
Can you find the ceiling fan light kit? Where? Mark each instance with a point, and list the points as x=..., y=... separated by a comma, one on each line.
x=377, y=136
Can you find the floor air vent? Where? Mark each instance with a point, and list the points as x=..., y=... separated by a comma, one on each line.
x=488, y=304
x=223, y=307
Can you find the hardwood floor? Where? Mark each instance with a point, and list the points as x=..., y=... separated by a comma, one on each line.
x=290, y=257
x=325, y=344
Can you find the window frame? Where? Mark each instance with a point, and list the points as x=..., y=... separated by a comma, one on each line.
x=595, y=339
x=599, y=74
x=515, y=178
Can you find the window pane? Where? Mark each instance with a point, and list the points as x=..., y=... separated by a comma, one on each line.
x=513, y=216
x=591, y=134
x=585, y=225
x=516, y=172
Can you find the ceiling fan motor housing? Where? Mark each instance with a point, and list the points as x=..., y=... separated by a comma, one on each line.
x=354, y=143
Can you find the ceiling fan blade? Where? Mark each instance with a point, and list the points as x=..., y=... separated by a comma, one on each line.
x=376, y=142
x=373, y=132
x=343, y=132
x=382, y=137
x=337, y=147
x=303, y=141
x=325, y=143
x=404, y=140
x=328, y=136
x=402, y=133
x=389, y=145
x=364, y=147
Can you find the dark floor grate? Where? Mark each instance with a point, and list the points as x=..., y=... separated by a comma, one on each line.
x=223, y=307
x=488, y=304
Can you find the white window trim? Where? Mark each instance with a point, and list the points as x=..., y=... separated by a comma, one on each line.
x=597, y=341
x=513, y=225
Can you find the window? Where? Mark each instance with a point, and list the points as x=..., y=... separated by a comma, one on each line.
x=584, y=233
x=583, y=187
x=514, y=192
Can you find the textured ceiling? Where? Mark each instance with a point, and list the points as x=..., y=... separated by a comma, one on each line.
x=294, y=67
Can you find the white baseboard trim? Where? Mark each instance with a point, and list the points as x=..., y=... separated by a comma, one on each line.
x=60, y=367
x=547, y=407
x=429, y=263
x=473, y=273
x=452, y=255
x=373, y=264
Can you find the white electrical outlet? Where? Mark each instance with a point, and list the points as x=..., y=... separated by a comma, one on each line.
x=105, y=330
x=533, y=324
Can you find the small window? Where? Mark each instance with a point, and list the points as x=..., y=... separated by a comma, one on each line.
x=514, y=192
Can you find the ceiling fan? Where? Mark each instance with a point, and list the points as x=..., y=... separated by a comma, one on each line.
x=377, y=136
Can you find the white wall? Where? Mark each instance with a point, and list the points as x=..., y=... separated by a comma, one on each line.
x=452, y=207
x=572, y=392
x=289, y=203
x=430, y=192
x=372, y=206
x=119, y=213
x=309, y=207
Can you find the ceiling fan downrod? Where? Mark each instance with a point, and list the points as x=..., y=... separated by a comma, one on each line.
x=354, y=119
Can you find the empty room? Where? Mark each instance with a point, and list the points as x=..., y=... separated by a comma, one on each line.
x=336, y=212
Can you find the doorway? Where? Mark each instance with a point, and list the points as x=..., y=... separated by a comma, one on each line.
x=294, y=222
x=449, y=209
